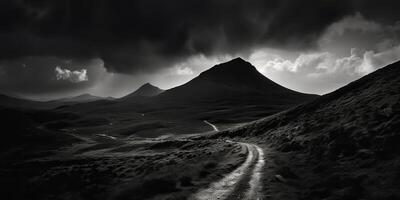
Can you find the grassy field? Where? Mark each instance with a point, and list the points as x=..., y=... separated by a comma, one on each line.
x=103, y=168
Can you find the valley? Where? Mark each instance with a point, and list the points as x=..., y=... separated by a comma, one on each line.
x=199, y=100
x=341, y=145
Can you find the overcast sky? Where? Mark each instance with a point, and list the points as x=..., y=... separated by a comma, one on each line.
x=52, y=49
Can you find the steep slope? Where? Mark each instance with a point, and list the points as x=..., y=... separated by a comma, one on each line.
x=146, y=90
x=343, y=145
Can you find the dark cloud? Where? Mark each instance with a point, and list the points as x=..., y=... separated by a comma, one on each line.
x=143, y=35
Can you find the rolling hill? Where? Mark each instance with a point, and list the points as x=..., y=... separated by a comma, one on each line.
x=83, y=98
x=14, y=102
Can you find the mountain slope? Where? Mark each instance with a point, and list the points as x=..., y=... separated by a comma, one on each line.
x=343, y=145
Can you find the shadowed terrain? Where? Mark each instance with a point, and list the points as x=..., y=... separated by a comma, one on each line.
x=199, y=100
x=343, y=145
x=84, y=148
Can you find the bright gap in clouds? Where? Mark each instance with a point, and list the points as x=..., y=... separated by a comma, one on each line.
x=317, y=72
x=321, y=72
x=73, y=76
x=337, y=62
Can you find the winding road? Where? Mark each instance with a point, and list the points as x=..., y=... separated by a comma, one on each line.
x=242, y=183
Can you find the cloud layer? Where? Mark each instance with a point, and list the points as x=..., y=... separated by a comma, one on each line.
x=145, y=35
x=304, y=45
x=349, y=49
x=323, y=72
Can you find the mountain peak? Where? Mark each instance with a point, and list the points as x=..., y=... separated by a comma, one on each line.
x=236, y=82
x=238, y=60
x=235, y=76
x=233, y=71
x=147, y=85
x=146, y=90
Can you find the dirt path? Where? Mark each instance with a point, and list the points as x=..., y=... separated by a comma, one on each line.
x=212, y=125
x=242, y=183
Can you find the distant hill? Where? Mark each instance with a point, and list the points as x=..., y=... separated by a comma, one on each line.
x=146, y=90
x=14, y=102
x=20, y=103
x=11, y=101
x=83, y=98
x=347, y=141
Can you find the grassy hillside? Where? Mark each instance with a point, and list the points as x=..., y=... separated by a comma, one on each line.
x=343, y=145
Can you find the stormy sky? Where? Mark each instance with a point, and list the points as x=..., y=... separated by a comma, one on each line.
x=50, y=49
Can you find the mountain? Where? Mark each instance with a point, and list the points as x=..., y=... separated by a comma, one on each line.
x=228, y=93
x=82, y=98
x=343, y=145
x=146, y=90
x=234, y=79
x=233, y=90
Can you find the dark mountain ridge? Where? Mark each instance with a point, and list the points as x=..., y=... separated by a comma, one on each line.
x=239, y=73
x=235, y=81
